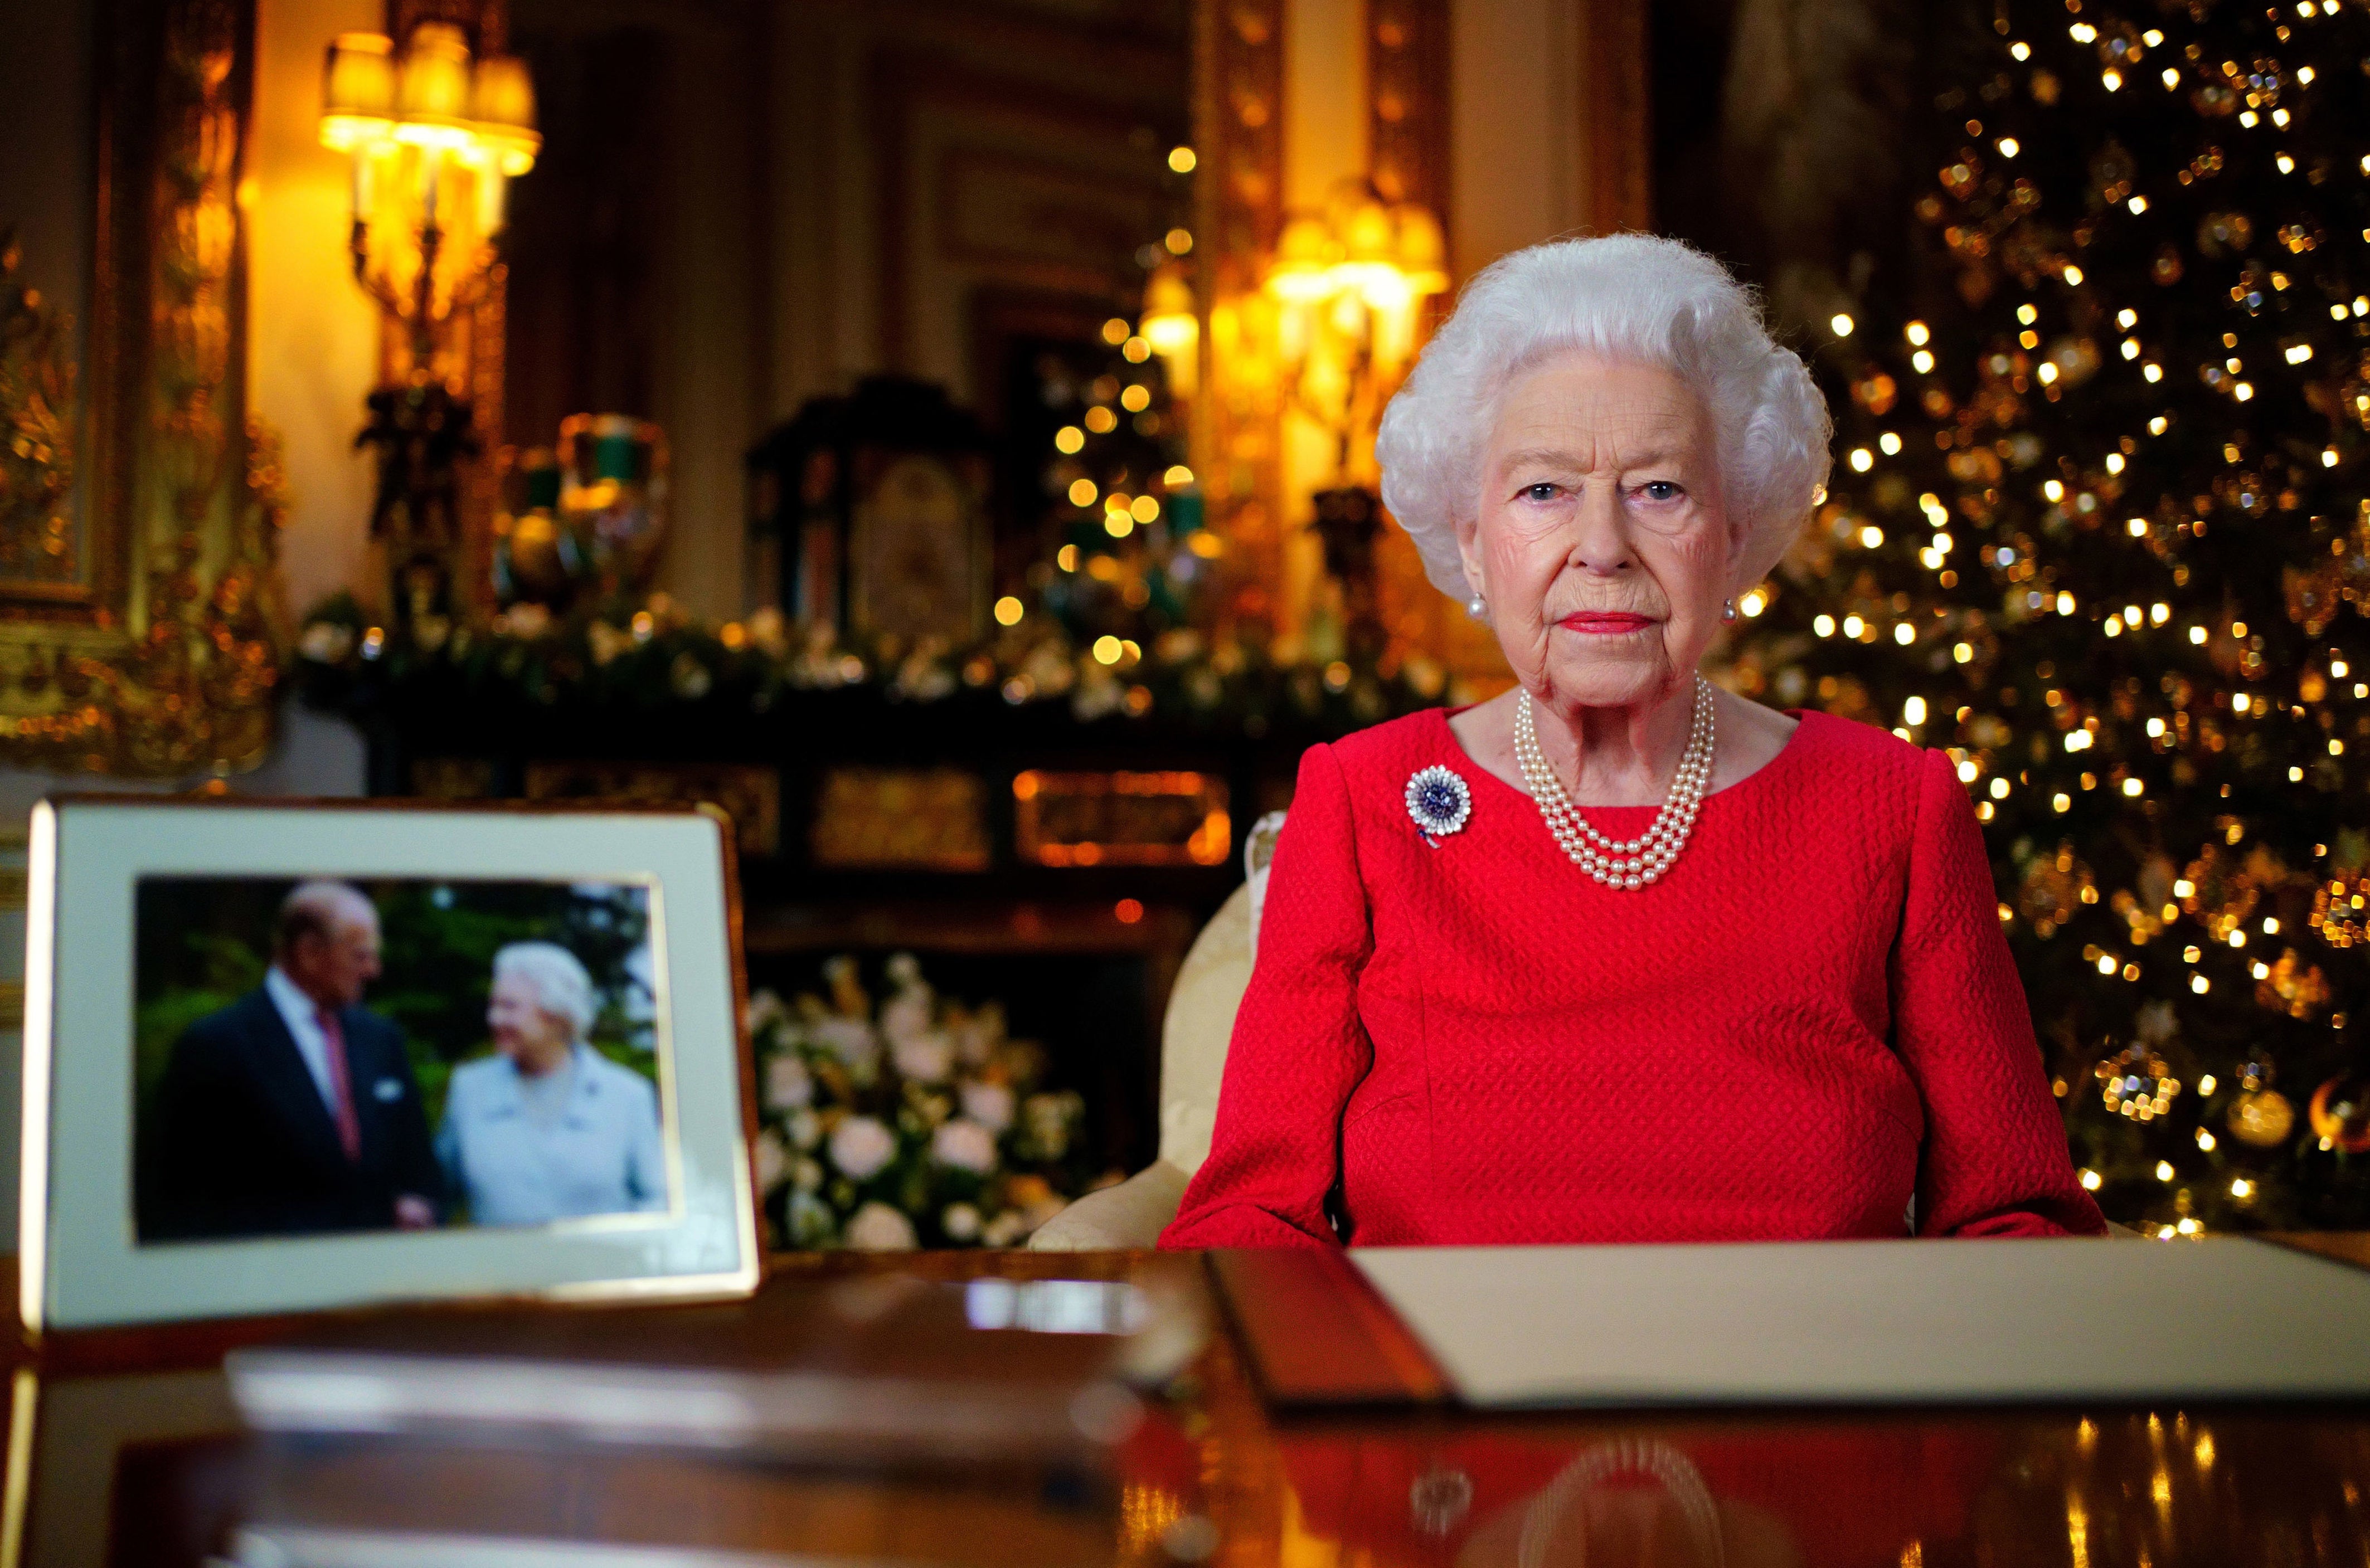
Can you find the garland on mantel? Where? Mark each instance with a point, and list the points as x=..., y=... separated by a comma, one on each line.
x=651, y=657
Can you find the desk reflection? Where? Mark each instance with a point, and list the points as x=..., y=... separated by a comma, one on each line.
x=150, y=1467
x=2166, y=1489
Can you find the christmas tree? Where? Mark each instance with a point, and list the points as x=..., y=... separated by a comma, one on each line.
x=1121, y=517
x=2098, y=529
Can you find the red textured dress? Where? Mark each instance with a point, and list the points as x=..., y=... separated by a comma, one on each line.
x=1810, y=1020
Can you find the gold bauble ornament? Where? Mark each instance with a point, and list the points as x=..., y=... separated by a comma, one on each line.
x=2259, y=1114
x=541, y=558
x=2263, y=1118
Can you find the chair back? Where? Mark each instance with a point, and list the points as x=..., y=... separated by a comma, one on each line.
x=1201, y=1018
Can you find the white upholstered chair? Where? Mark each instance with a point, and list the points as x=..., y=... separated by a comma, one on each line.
x=1193, y=1036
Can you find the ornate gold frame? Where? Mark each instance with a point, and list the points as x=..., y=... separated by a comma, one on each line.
x=147, y=642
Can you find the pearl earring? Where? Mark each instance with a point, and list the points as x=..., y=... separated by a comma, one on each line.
x=1728, y=610
x=1476, y=608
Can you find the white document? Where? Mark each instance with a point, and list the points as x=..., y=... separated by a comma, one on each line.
x=1908, y=1322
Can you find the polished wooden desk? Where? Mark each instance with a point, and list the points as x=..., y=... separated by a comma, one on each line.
x=125, y=1451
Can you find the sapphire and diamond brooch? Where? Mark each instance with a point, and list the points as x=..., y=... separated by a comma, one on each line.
x=1438, y=802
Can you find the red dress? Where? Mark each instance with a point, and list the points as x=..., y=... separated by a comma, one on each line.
x=1810, y=1019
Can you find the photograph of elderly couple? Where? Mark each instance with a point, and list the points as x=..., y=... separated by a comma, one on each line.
x=334, y=1056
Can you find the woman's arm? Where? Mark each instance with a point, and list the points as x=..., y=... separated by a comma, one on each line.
x=1994, y=1160
x=1299, y=1047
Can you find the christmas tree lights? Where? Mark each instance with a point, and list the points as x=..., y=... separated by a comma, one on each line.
x=2098, y=529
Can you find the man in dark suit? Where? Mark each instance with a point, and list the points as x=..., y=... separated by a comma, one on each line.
x=293, y=1110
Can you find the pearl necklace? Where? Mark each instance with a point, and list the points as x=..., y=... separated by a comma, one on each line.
x=1625, y=863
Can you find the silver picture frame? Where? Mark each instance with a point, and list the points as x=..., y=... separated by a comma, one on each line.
x=84, y=1264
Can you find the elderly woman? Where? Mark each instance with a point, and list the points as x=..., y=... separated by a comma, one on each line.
x=1618, y=955
x=547, y=1127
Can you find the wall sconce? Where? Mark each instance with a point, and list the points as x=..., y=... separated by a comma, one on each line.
x=435, y=138
x=1349, y=284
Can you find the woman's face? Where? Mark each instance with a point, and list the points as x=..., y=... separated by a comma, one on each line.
x=522, y=1030
x=1600, y=541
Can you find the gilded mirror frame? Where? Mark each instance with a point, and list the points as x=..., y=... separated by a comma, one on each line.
x=139, y=629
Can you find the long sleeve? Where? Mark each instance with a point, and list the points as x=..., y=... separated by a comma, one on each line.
x=1994, y=1162
x=646, y=1183
x=188, y=1190
x=1299, y=1047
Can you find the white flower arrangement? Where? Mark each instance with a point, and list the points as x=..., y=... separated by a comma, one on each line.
x=861, y=1148
x=919, y=1122
x=964, y=1145
x=877, y=1228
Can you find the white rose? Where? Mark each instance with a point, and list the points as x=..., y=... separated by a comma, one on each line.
x=961, y=1222
x=862, y=1147
x=773, y=1162
x=877, y=1228
x=805, y=1128
x=807, y=1176
x=925, y=1059
x=849, y=1040
x=964, y=1145
x=989, y=1105
x=1004, y=1229
x=787, y=1084
x=905, y=1016
x=766, y=1009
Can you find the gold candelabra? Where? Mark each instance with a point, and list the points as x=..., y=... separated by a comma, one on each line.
x=435, y=138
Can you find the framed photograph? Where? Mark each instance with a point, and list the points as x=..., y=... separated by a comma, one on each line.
x=289, y=1057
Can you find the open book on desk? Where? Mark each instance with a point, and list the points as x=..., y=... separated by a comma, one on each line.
x=884, y=1367
x=1802, y=1324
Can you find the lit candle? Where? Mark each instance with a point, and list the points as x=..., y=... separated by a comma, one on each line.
x=493, y=190
x=431, y=174
x=361, y=182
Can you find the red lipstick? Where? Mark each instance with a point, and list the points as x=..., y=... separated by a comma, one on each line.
x=1603, y=623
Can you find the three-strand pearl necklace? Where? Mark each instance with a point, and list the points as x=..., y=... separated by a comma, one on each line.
x=1632, y=863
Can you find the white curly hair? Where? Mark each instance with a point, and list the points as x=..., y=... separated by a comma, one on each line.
x=1621, y=296
x=562, y=986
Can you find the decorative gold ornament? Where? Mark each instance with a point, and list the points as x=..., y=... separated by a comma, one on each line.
x=2051, y=887
x=37, y=445
x=2294, y=987
x=2260, y=1115
x=148, y=645
x=2263, y=1118
x=2222, y=893
x=2338, y=912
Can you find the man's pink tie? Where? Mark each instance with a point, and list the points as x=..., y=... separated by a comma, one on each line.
x=350, y=1126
